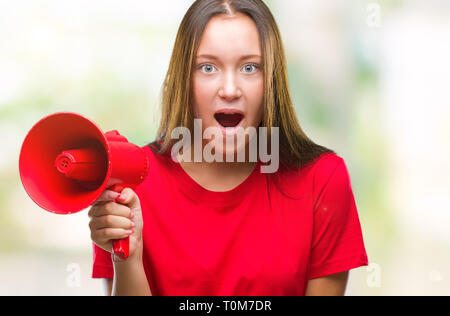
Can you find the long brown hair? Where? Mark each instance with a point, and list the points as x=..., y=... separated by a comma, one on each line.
x=296, y=149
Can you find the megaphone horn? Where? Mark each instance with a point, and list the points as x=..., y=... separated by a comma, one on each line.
x=66, y=162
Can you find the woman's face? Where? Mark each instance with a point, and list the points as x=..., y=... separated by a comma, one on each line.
x=228, y=78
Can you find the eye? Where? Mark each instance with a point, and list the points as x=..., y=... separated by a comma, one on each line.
x=207, y=68
x=250, y=68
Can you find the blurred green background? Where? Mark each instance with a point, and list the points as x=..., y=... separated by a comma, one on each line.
x=369, y=79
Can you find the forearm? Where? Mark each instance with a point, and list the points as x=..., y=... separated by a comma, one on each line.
x=130, y=279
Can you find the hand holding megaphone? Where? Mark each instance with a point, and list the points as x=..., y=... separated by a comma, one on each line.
x=67, y=162
x=117, y=216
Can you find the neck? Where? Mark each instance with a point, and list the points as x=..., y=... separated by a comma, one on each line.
x=216, y=167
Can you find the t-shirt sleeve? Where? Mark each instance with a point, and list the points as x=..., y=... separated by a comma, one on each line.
x=337, y=243
x=102, y=265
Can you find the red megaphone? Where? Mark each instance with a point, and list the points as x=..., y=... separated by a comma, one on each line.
x=66, y=162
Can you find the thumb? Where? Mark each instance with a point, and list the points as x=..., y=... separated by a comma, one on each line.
x=129, y=198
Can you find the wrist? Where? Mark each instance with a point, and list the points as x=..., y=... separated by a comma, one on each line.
x=129, y=265
x=132, y=260
x=130, y=278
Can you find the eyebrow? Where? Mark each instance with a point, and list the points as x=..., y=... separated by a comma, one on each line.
x=217, y=58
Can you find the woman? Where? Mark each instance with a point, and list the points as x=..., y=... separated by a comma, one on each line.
x=226, y=228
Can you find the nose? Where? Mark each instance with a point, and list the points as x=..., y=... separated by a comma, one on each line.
x=230, y=89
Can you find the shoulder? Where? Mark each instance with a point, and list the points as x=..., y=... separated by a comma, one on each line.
x=331, y=187
x=312, y=177
x=160, y=166
x=325, y=168
x=156, y=159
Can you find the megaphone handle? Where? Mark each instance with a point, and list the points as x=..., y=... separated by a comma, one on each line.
x=121, y=247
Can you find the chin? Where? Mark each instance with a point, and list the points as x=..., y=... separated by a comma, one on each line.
x=230, y=151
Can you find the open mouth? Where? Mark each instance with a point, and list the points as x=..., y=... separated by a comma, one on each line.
x=229, y=120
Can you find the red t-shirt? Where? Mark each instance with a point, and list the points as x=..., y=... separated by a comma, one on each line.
x=268, y=236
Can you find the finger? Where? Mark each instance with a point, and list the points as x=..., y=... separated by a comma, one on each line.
x=110, y=208
x=106, y=234
x=111, y=221
x=107, y=196
x=129, y=197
